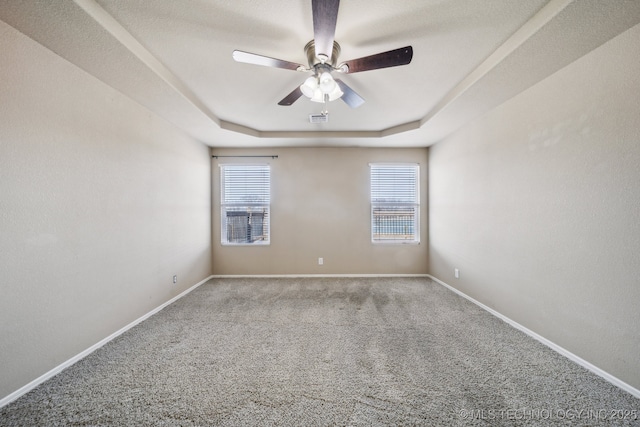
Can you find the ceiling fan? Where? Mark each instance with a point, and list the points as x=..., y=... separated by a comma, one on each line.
x=322, y=54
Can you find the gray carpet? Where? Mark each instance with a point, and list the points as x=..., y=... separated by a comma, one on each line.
x=318, y=352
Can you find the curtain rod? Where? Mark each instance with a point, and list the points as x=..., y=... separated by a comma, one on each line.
x=218, y=157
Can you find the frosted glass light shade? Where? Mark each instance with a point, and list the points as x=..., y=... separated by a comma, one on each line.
x=335, y=93
x=318, y=96
x=309, y=87
x=327, y=84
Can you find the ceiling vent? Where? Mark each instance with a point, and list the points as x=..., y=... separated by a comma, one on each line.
x=319, y=118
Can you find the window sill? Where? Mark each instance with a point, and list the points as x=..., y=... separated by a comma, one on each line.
x=245, y=244
x=395, y=242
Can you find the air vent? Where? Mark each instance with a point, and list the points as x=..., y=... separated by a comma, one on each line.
x=319, y=118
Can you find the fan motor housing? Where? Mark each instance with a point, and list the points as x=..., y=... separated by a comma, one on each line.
x=310, y=50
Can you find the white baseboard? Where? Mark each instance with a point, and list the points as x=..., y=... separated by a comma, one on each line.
x=33, y=384
x=564, y=352
x=294, y=276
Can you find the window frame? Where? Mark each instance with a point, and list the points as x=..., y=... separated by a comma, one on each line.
x=413, y=204
x=228, y=204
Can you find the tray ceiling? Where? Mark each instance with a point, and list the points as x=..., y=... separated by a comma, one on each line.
x=174, y=57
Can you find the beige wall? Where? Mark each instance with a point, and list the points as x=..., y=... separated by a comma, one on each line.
x=538, y=204
x=320, y=208
x=101, y=203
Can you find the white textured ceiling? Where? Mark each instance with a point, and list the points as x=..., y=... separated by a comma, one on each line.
x=174, y=57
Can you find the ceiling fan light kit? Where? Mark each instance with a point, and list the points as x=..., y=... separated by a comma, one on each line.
x=316, y=87
x=321, y=86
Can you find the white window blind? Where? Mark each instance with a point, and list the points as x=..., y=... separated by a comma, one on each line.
x=395, y=203
x=245, y=193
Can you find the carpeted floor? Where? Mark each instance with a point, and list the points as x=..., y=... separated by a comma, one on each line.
x=319, y=352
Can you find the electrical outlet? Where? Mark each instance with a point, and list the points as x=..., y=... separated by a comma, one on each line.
x=175, y=278
x=456, y=273
x=320, y=261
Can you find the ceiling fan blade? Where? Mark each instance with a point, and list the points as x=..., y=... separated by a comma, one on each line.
x=392, y=58
x=325, y=15
x=291, y=98
x=350, y=97
x=252, y=58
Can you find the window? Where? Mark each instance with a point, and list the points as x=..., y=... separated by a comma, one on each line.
x=395, y=203
x=245, y=204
